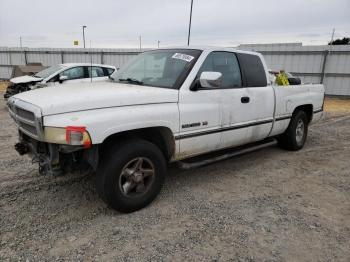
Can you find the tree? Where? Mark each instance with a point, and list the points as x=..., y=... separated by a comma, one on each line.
x=344, y=41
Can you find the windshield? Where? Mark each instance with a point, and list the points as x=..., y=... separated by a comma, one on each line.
x=160, y=68
x=48, y=71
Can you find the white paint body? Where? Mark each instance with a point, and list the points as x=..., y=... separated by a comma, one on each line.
x=108, y=108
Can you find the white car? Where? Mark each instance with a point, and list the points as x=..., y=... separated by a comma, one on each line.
x=165, y=105
x=60, y=74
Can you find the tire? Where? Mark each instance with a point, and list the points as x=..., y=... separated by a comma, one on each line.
x=295, y=136
x=124, y=177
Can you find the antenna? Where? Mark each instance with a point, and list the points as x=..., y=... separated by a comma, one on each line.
x=325, y=58
x=90, y=63
x=330, y=46
x=189, y=25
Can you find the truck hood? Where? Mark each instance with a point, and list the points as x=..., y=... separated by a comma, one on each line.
x=86, y=96
x=25, y=79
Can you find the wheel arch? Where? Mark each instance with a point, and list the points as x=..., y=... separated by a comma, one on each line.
x=160, y=136
x=307, y=108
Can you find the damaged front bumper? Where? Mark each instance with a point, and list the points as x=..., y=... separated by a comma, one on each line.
x=56, y=150
x=55, y=159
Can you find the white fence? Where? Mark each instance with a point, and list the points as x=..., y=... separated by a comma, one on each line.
x=312, y=63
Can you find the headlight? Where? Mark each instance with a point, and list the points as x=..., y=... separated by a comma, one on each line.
x=70, y=135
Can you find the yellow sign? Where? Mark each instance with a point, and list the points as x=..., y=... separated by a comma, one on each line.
x=76, y=42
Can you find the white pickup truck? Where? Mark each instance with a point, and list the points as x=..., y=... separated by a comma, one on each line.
x=165, y=105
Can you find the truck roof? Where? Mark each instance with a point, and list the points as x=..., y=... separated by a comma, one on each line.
x=212, y=48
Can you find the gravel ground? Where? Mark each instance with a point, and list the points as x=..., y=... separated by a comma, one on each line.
x=269, y=205
x=3, y=86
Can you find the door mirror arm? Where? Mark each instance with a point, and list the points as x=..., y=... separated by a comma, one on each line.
x=195, y=85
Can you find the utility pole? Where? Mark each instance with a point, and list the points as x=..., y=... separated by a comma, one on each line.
x=84, y=26
x=158, y=43
x=140, y=43
x=20, y=41
x=189, y=26
x=327, y=53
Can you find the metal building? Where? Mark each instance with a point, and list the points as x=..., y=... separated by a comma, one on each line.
x=325, y=64
x=52, y=56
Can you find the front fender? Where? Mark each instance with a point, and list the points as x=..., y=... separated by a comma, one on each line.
x=101, y=123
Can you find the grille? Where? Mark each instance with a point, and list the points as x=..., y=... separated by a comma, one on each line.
x=29, y=128
x=25, y=114
x=25, y=120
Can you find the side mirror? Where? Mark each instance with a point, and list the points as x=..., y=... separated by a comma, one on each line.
x=210, y=79
x=62, y=79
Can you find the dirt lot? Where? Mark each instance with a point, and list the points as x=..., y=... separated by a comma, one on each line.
x=270, y=205
x=3, y=86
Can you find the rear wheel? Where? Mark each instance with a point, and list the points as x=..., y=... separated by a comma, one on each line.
x=130, y=175
x=295, y=136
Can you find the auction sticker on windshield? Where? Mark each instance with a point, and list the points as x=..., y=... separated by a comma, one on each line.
x=187, y=58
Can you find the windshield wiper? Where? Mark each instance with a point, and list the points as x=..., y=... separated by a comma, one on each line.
x=131, y=80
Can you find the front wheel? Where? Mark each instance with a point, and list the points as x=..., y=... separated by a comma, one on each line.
x=130, y=175
x=295, y=136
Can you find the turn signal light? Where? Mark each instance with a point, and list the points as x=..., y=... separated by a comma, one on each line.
x=77, y=135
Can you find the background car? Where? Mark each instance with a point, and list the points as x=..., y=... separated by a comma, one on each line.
x=60, y=74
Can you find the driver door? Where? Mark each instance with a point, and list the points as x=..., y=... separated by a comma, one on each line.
x=200, y=116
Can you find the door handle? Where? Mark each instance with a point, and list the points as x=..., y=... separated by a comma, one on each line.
x=245, y=99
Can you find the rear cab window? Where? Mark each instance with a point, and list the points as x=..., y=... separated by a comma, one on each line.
x=253, y=71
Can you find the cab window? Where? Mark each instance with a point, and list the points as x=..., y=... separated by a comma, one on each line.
x=253, y=70
x=226, y=63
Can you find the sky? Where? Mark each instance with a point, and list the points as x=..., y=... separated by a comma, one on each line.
x=118, y=24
